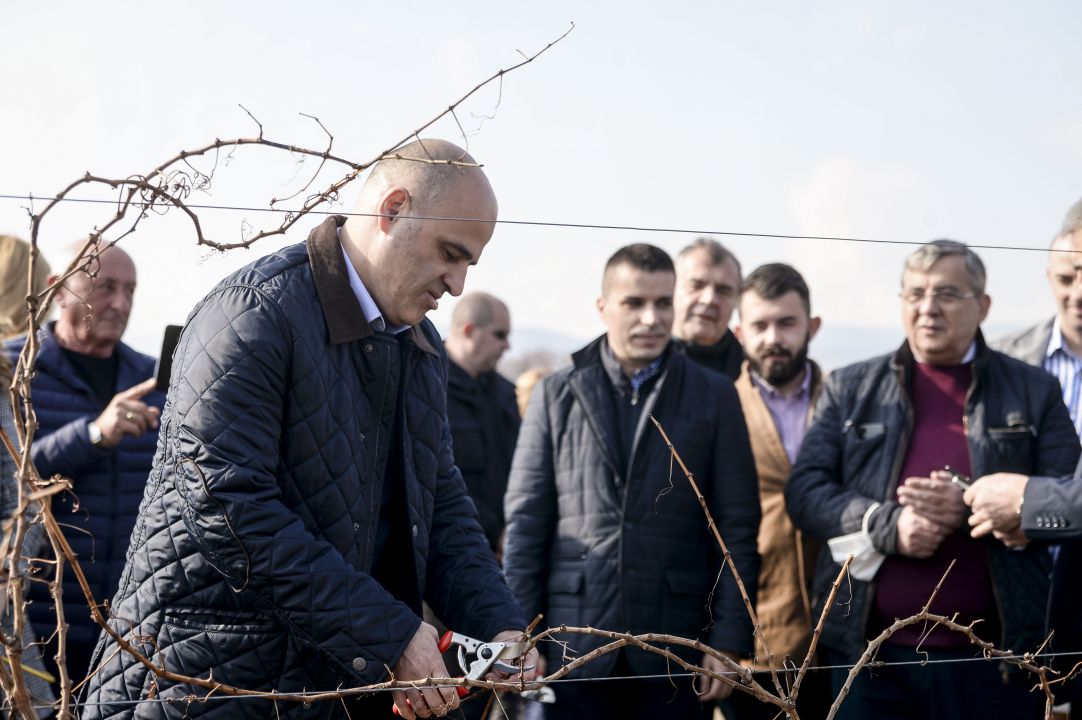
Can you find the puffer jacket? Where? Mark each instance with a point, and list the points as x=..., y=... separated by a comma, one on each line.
x=591, y=545
x=252, y=555
x=484, y=427
x=1015, y=421
x=108, y=484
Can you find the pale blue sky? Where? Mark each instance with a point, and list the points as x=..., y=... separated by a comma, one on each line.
x=901, y=121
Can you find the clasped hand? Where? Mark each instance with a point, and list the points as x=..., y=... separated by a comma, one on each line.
x=932, y=508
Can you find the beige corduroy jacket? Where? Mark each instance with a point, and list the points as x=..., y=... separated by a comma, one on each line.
x=788, y=557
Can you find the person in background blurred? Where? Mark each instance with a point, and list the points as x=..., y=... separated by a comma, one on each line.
x=481, y=405
x=525, y=383
x=707, y=287
x=14, y=264
x=98, y=414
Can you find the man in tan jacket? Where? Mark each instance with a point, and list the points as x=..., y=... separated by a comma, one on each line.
x=777, y=386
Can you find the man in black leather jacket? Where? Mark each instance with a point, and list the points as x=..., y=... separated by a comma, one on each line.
x=872, y=466
x=304, y=499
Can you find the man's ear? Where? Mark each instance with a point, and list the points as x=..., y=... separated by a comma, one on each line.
x=813, y=327
x=738, y=332
x=985, y=306
x=467, y=329
x=61, y=296
x=391, y=204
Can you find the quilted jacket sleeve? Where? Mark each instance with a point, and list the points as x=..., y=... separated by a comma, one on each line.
x=465, y=586
x=228, y=410
x=66, y=451
x=735, y=507
x=816, y=495
x=530, y=507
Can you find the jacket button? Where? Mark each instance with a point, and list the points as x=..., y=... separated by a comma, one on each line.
x=368, y=347
x=362, y=437
x=359, y=664
x=582, y=556
x=414, y=531
x=356, y=527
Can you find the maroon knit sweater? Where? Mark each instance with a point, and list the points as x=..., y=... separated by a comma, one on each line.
x=905, y=584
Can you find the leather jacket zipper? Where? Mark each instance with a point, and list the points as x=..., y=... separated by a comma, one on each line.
x=973, y=472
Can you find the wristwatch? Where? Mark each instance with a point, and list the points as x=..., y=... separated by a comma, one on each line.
x=94, y=432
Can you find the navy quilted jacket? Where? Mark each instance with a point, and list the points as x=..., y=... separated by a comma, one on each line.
x=589, y=543
x=1015, y=421
x=108, y=485
x=251, y=556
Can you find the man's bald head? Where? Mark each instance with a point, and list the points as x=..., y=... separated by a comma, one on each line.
x=422, y=219
x=427, y=169
x=1072, y=221
x=477, y=308
x=480, y=327
x=96, y=300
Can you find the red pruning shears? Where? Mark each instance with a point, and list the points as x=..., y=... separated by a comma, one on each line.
x=477, y=659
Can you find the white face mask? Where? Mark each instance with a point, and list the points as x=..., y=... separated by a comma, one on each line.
x=866, y=559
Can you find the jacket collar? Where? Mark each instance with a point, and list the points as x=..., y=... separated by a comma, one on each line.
x=902, y=360
x=51, y=358
x=587, y=382
x=342, y=312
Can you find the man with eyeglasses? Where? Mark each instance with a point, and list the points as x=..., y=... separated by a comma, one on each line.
x=871, y=479
x=481, y=405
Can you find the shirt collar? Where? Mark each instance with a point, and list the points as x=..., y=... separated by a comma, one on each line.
x=368, y=304
x=802, y=392
x=971, y=354
x=1056, y=342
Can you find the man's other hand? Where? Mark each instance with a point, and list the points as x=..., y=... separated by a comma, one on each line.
x=996, y=501
x=918, y=537
x=533, y=660
x=127, y=414
x=711, y=689
x=422, y=660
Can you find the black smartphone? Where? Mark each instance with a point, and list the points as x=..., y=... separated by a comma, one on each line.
x=165, y=359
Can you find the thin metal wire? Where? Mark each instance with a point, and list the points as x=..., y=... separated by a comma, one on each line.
x=553, y=224
x=658, y=676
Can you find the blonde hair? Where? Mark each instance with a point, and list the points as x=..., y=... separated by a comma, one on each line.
x=14, y=262
x=524, y=385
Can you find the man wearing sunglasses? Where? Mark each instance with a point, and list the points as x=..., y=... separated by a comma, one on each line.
x=481, y=405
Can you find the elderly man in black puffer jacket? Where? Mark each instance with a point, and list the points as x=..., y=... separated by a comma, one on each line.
x=304, y=499
x=872, y=466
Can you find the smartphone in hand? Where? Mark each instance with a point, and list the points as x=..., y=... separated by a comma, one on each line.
x=961, y=480
x=165, y=359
